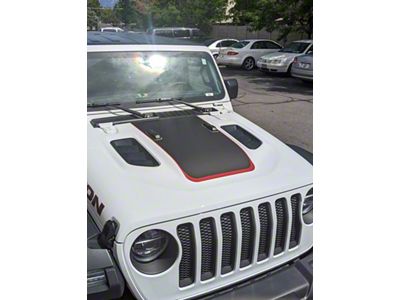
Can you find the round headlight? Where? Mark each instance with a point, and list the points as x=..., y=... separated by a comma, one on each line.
x=150, y=245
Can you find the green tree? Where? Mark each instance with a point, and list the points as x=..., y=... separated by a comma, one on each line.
x=126, y=12
x=109, y=16
x=93, y=14
x=196, y=13
x=284, y=16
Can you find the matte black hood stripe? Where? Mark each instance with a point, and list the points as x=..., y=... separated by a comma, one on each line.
x=201, y=153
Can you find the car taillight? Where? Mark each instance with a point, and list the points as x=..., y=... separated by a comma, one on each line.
x=232, y=53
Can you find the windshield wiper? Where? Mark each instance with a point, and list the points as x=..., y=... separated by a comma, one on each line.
x=128, y=110
x=204, y=110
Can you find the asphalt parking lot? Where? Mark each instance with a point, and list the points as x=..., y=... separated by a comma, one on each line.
x=281, y=105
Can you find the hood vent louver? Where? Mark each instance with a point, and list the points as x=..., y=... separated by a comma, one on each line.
x=243, y=136
x=134, y=153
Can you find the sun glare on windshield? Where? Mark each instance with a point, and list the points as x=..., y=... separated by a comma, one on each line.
x=157, y=62
x=132, y=76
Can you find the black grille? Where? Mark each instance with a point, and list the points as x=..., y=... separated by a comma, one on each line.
x=296, y=222
x=281, y=225
x=247, y=221
x=273, y=221
x=228, y=243
x=264, y=211
x=187, y=265
x=208, y=248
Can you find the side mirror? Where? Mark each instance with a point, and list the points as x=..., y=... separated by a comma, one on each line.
x=233, y=87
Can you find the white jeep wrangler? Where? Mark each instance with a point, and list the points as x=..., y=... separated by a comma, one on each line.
x=186, y=198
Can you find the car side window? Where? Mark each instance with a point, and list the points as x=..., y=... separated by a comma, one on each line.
x=256, y=45
x=227, y=43
x=164, y=32
x=271, y=45
x=182, y=33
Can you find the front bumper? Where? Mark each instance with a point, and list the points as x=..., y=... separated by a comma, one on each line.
x=290, y=282
x=272, y=68
x=302, y=73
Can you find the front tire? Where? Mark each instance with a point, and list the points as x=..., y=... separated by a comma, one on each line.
x=249, y=64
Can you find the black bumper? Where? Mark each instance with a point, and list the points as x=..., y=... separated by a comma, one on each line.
x=289, y=282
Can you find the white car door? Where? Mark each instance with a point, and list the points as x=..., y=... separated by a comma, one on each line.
x=222, y=46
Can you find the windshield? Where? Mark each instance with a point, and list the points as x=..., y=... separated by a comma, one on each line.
x=123, y=77
x=295, y=47
x=240, y=44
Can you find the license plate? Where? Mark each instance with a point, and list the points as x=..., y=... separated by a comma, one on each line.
x=304, y=65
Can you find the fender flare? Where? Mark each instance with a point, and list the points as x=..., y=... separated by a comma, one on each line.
x=308, y=156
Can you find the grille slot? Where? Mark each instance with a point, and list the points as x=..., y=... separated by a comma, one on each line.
x=215, y=244
x=228, y=243
x=265, y=214
x=208, y=248
x=187, y=264
x=281, y=225
x=247, y=221
x=296, y=222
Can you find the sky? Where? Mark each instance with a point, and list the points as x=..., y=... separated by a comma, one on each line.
x=108, y=3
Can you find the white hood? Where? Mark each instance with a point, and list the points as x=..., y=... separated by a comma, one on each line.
x=139, y=196
x=281, y=55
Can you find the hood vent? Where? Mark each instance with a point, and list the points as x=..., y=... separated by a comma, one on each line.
x=134, y=153
x=243, y=136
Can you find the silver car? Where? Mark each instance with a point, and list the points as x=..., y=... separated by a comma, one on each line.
x=245, y=53
x=303, y=67
x=281, y=61
x=216, y=46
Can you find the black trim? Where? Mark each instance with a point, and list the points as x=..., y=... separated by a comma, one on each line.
x=291, y=281
x=308, y=156
x=101, y=262
x=161, y=263
x=129, y=118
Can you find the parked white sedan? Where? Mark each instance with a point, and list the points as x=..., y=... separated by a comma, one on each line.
x=216, y=46
x=281, y=61
x=245, y=53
